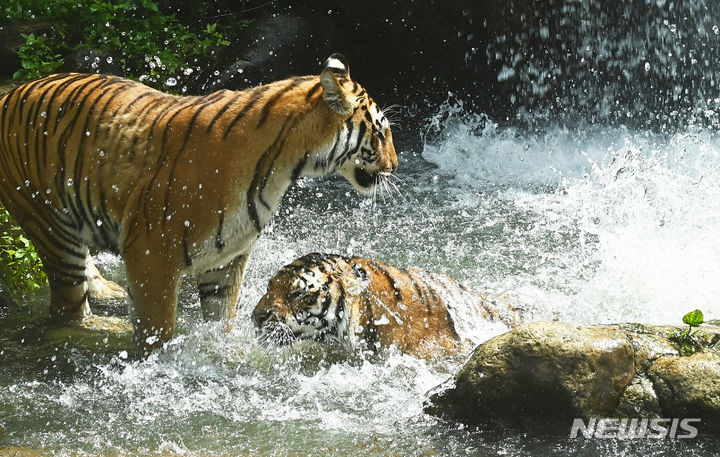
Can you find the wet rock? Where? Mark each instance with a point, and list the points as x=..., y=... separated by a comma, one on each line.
x=272, y=48
x=106, y=333
x=552, y=371
x=542, y=368
x=87, y=60
x=689, y=386
x=638, y=400
x=14, y=451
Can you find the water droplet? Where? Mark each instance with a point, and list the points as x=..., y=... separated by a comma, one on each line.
x=171, y=82
x=716, y=29
x=647, y=66
x=87, y=132
x=98, y=222
x=188, y=71
x=109, y=59
x=187, y=223
x=69, y=182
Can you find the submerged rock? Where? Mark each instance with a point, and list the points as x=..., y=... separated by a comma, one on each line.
x=107, y=333
x=552, y=371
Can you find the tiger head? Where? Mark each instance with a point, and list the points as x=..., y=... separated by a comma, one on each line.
x=312, y=298
x=363, y=151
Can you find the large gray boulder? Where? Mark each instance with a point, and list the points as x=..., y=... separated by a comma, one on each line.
x=555, y=372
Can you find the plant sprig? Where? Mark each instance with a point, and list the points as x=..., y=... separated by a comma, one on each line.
x=20, y=266
x=686, y=339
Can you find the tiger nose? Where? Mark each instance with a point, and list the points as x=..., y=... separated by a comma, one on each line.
x=390, y=164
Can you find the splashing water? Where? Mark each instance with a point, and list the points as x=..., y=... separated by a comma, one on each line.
x=618, y=224
x=593, y=225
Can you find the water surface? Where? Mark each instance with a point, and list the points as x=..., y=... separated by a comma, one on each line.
x=590, y=225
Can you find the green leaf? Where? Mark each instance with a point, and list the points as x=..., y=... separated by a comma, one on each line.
x=686, y=350
x=693, y=318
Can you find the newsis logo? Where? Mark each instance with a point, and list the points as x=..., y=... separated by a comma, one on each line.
x=637, y=428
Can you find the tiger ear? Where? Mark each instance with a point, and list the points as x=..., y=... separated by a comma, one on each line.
x=335, y=71
x=338, y=64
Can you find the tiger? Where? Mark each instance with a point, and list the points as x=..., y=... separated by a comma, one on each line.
x=360, y=302
x=175, y=185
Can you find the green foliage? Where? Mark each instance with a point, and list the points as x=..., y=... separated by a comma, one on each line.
x=37, y=57
x=687, y=339
x=20, y=267
x=134, y=35
x=693, y=318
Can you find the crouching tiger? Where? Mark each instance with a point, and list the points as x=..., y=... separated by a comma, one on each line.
x=351, y=300
x=175, y=184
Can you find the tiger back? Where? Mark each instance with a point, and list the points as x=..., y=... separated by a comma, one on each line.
x=177, y=185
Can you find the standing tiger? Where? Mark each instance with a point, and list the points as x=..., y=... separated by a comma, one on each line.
x=175, y=184
x=350, y=300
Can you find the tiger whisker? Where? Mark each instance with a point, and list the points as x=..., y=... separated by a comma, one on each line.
x=396, y=178
x=396, y=185
x=379, y=185
x=374, y=195
x=390, y=186
x=387, y=189
x=392, y=114
x=392, y=191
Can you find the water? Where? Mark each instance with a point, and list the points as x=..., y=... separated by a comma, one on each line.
x=594, y=197
x=592, y=225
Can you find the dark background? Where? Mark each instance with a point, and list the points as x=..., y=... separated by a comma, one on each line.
x=640, y=63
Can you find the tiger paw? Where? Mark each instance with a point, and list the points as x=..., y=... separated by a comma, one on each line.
x=102, y=289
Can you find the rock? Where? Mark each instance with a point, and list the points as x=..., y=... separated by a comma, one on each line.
x=93, y=332
x=553, y=372
x=15, y=451
x=638, y=400
x=688, y=386
x=87, y=60
x=272, y=48
x=542, y=368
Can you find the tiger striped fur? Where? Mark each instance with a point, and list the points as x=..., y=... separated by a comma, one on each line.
x=353, y=299
x=175, y=184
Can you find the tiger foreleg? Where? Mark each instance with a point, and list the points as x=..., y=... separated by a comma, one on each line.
x=153, y=294
x=220, y=289
x=99, y=287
